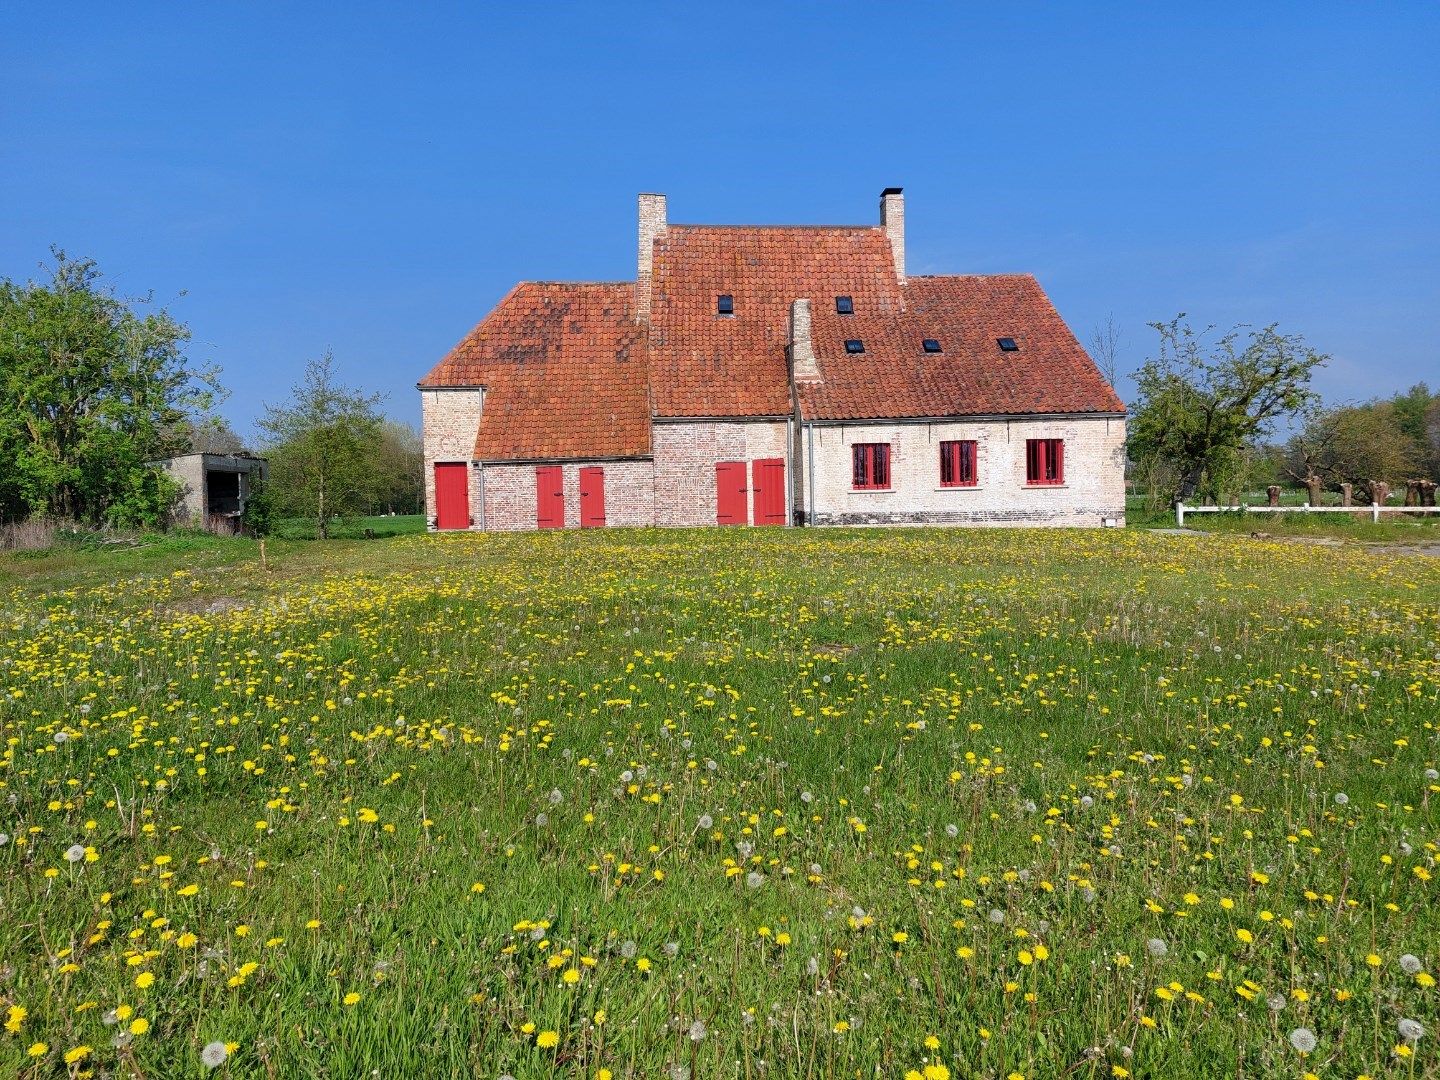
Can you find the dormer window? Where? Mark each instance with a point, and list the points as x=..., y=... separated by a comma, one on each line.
x=844, y=305
x=725, y=305
x=854, y=345
x=1007, y=344
x=931, y=345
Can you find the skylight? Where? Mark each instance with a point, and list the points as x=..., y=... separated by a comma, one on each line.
x=854, y=345
x=844, y=305
x=725, y=305
x=1007, y=344
x=930, y=345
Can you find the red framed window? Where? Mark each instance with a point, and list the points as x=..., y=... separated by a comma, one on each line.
x=957, y=464
x=1044, y=461
x=871, y=466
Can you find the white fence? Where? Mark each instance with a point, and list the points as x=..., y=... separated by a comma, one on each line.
x=1374, y=510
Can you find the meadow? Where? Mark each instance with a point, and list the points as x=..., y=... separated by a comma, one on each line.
x=721, y=803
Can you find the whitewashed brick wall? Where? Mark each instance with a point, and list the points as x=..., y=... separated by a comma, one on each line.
x=449, y=422
x=510, y=494
x=1094, y=487
x=686, y=453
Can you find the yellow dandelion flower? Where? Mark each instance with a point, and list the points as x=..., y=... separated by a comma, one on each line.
x=547, y=1040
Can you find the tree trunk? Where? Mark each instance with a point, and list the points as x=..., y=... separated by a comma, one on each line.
x=1347, y=494
x=1314, y=489
x=1272, y=493
x=322, y=527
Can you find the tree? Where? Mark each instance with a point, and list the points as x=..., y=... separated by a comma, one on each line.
x=399, y=466
x=1105, y=348
x=1201, y=402
x=322, y=448
x=1351, y=444
x=91, y=390
x=212, y=435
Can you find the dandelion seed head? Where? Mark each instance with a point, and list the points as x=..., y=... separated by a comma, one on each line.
x=1303, y=1039
x=1410, y=964
x=214, y=1055
x=1410, y=1030
x=1156, y=947
x=75, y=852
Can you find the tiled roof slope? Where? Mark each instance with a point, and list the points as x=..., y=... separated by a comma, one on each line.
x=895, y=378
x=563, y=365
x=704, y=364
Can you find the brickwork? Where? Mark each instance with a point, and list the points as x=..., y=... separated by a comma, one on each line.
x=449, y=421
x=892, y=222
x=509, y=493
x=1094, y=488
x=685, y=458
x=652, y=224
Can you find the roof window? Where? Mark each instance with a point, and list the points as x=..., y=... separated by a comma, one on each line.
x=854, y=345
x=1007, y=344
x=725, y=305
x=931, y=345
x=844, y=305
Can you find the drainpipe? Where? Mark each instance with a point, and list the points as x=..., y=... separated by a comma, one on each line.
x=810, y=462
x=480, y=490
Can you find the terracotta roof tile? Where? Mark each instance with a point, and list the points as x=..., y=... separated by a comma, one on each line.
x=704, y=364
x=564, y=370
x=972, y=376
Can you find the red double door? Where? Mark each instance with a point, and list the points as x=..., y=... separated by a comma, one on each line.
x=550, y=497
x=767, y=485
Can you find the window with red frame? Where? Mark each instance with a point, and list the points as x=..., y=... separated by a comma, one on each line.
x=957, y=464
x=1044, y=461
x=871, y=466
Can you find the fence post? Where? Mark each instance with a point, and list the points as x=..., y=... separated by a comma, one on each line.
x=1375, y=513
x=1179, y=514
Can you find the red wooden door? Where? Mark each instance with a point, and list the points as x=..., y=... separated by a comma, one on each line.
x=549, y=497
x=592, y=497
x=730, y=504
x=768, y=485
x=452, y=495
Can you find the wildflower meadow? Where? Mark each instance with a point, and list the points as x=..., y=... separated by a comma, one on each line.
x=721, y=803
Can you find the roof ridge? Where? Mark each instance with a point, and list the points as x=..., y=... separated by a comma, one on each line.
x=551, y=281
x=847, y=228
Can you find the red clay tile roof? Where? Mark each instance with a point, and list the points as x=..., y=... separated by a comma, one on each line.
x=569, y=374
x=704, y=364
x=563, y=366
x=972, y=376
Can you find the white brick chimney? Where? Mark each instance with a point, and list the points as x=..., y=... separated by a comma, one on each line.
x=892, y=221
x=802, y=346
x=652, y=224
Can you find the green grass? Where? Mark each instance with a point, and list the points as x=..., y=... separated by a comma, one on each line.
x=1421, y=529
x=677, y=746
x=353, y=528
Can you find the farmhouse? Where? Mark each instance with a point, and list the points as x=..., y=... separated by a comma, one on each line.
x=772, y=376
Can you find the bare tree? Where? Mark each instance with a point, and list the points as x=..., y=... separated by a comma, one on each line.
x=1105, y=347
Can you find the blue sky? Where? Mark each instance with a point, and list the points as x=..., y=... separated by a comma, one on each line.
x=371, y=178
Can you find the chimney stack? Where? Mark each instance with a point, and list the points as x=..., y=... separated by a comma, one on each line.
x=652, y=224
x=892, y=220
x=803, y=367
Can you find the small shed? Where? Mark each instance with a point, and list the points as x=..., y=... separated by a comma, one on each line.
x=214, y=487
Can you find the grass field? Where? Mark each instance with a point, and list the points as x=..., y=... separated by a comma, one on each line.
x=714, y=803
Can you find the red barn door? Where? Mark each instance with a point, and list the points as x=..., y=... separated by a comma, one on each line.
x=592, y=497
x=549, y=497
x=730, y=505
x=452, y=495
x=768, y=484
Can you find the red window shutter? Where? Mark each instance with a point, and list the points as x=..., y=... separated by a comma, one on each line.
x=730, y=503
x=1032, y=461
x=549, y=497
x=1059, y=460
x=947, y=464
x=968, y=474
x=592, y=497
x=768, y=486
x=882, y=465
x=861, y=475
